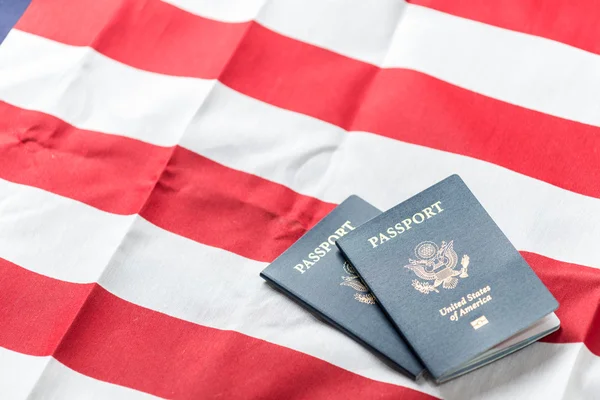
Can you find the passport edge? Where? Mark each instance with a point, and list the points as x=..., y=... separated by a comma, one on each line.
x=386, y=313
x=323, y=317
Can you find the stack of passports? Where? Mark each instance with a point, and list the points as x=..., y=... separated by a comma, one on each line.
x=432, y=282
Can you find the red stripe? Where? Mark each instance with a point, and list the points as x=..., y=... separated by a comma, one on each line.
x=398, y=103
x=231, y=209
x=113, y=340
x=119, y=342
x=36, y=311
x=577, y=290
x=574, y=23
x=110, y=172
x=415, y=108
x=117, y=174
x=150, y=35
x=298, y=76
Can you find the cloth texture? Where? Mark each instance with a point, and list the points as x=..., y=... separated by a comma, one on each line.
x=156, y=155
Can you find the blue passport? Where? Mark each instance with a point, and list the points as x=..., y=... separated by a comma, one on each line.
x=451, y=282
x=314, y=273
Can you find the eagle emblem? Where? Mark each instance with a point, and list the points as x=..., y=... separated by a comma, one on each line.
x=353, y=281
x=437, y=266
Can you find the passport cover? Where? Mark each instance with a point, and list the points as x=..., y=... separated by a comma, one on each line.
x=314, y=273
x=448, y=278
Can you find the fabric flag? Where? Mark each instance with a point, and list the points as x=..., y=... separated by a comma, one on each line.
x=156, y=155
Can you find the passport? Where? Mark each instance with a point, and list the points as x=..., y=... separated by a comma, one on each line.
x=313, y=273
x=450, y=281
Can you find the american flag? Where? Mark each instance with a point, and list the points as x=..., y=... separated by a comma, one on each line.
x=156, y=155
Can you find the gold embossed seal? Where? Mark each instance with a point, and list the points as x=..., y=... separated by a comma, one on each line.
x=437, y=266
x=353, y=280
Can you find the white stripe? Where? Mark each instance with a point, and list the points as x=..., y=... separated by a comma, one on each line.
x=30, y=377
x=19, y=373
x=529, y=71
x=321, y=160
x=359, y=29
x=222, y=10
x=91, y=91
x=57, y=236
x=542, y=371
x=61, y=382
x=526, y=70
x=583, y=379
